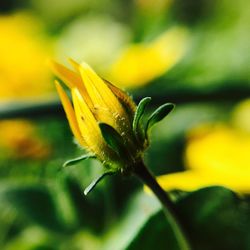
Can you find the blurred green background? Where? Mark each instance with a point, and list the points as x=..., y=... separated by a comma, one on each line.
x=195, y=54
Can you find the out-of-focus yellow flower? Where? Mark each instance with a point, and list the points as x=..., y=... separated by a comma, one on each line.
x=98, y=101
x=140, y=63
x=19, y=139
x=193, y=180
x=23, y=55
x=221, y=148
x=216, y=155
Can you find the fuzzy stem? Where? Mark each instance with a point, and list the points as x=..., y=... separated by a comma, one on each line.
x=142, y=172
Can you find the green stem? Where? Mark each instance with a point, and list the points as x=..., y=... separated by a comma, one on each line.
x=142, y=172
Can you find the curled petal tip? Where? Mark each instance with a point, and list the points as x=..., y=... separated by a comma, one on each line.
x=74, y=63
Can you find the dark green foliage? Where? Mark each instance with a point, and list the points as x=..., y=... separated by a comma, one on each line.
x=216, y=219
x=35, y=203
x=155, y=234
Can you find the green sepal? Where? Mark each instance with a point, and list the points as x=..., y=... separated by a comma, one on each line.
x=113, y=139
x=139, y=113
x=78, y=159
x=92, y=185
x=159, y=114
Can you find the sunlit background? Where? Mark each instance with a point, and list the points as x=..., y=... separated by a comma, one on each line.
x=195, y=54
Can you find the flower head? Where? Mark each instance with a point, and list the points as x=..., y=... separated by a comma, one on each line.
x=101, y=117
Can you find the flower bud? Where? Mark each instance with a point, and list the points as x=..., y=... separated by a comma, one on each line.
x=101, y=117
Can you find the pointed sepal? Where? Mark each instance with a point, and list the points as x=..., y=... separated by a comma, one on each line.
x=113, y=139
x=78, y=159
x=139, y=114
x=159, y=114
x=93, y=184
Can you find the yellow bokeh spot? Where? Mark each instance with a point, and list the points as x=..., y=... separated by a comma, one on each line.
x=193, y=180
x=217, y=154
x=24, y=52
x=221, y=149
x=19, y=139
x=141, y=63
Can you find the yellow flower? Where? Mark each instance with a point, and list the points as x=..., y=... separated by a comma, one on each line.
x=23, y=53
x=215, y=155
x=97, y=101
x=141, y=63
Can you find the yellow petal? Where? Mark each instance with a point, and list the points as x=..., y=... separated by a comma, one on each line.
x=70, y=113
x=122, y=96
x=192, y=180
x=71, y=79
x=218, y=148
x=87, y=123
x=98, y=91
x=107, y=107
x=75, y=64
x=117, y=92
x=140, y=63
x=100, y=111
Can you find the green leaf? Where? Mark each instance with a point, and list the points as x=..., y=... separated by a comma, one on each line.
x=159, y=114
x=113, y=139
x=156, y=233
x=96, y=181
x=78, y=159
x=139, y=113
x=33, y=202
x=216, y=218
x=133, y=217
